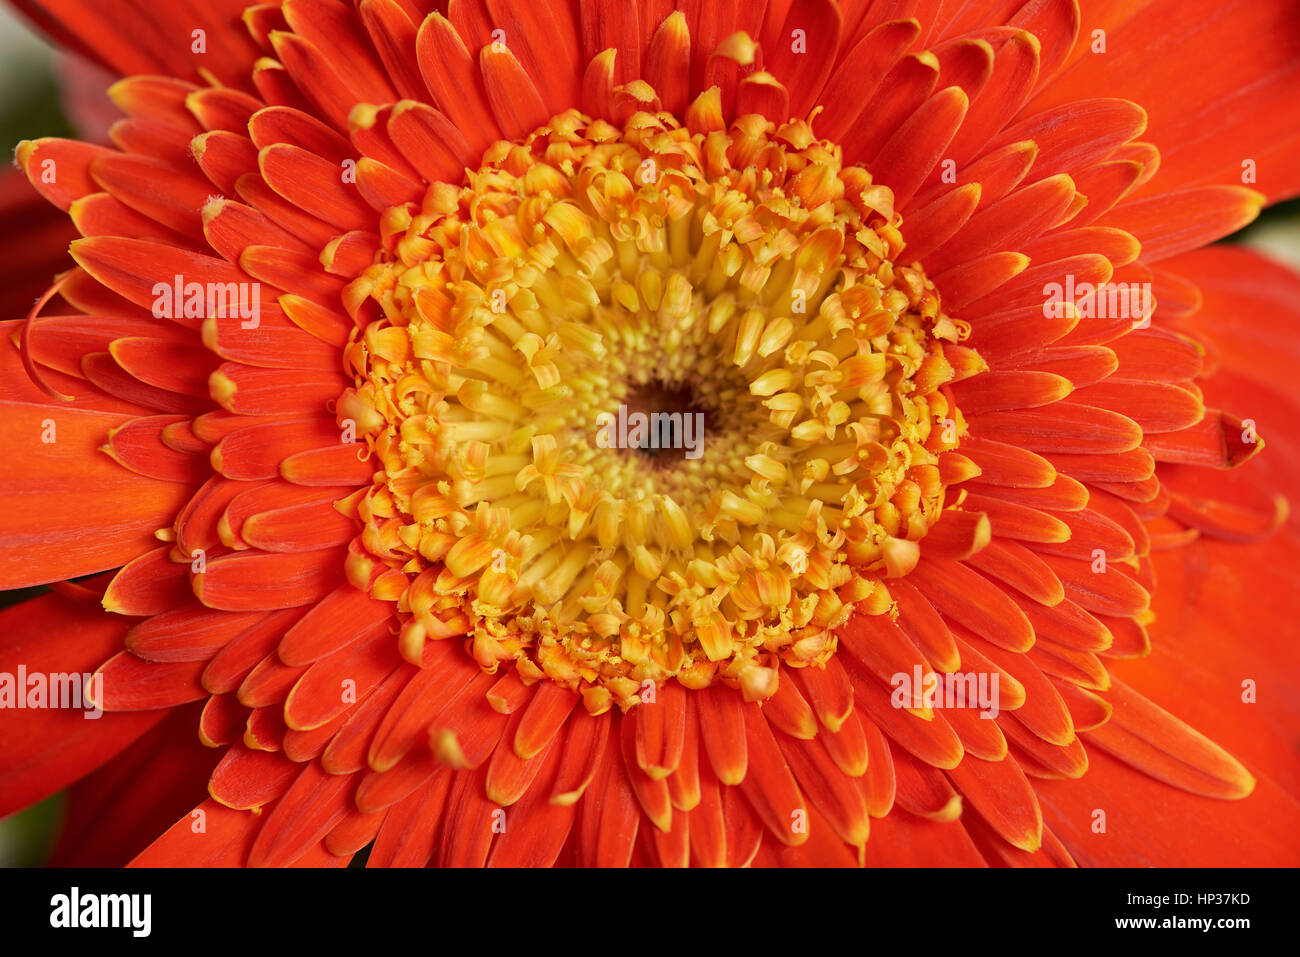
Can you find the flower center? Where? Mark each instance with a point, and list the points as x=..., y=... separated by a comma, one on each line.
x=647, y=402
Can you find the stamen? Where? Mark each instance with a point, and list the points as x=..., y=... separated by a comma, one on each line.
x=518, y=331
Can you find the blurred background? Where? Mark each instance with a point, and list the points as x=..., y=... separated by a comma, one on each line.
x=31, y=107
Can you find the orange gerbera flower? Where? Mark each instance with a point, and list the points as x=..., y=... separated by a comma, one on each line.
x=352, y=407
